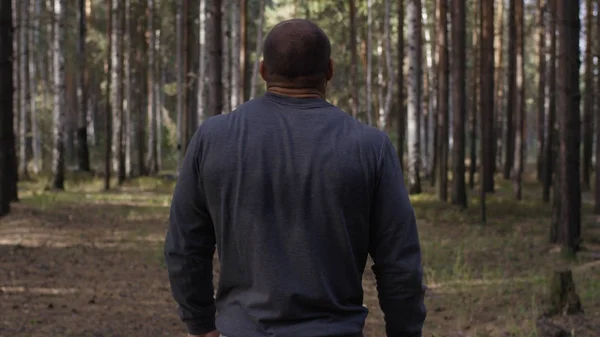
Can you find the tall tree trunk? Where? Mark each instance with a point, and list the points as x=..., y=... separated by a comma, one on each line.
x=443, y=95
x=550, y=151
x=243, y=49
x=498, y=86
x=541, y=99
x=7, y=136
x=486, y=101
x=588, y=99
x=568, y=100
x=36, y=143
x=60, y=96
x=355, y=94
x=151, y=155
x=235, y=55
x=108, y=109
x=180, y=81
x=401, y=123
x=597, y=168
x=202, y=56
x=385, y=106
x=476, y=90
x=128, y=89
x=121, y=136
x=519, y=103
x=215, y=56
x=225, y=57
x=24, y=88
x=414, y=94
x=140, y=87
x=459, y=193
x=512, y=90
x=83, y=153
x=369, y=70
x=259, y=41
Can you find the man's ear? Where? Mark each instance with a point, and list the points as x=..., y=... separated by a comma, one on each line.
x=329, y=71
x=261, y=69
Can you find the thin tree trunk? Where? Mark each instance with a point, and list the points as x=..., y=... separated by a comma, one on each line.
x=108, y=109
x=36, y=142
x=235, y=55
x=151, y=155
x=400, y=84
x=355, y=94
x=60, y=93
x=541, y=99
x=414, y=94
x=121, y=136
x=259, y=41
x=486, y=101
x=475, y=88
x=519, y=107
x=202, y=56
x=83, y=154
x=459, y=193
x=244, y=49
x=369, y=70
x=180, y=81
x=129, y=78
x=597, y=168
x=443, y=95
x=550, y=151
x=215, y=55
x=225, y=57
x=24, y=88
x=512, y=91
x=498, y=86
x=588, y=98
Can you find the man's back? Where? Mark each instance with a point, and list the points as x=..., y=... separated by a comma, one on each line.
x=292, y=189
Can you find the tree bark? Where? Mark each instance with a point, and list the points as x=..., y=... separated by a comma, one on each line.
x=215, y=51
x=550, y=149
x=512, y=90
x=7, y=136
x=588, y=98
x=541, y=99
x=519, y=102
x=83, y=153
x=369, y=68
x=259, y=41
x=401, y=109
x=568, y=100
x=414, y=94
x=108, y=109
x=475, y=90
x=355, y=103
x=60, y=99
x=443, y=94
x=459, y=193
x=24, y=88
x=151, y=154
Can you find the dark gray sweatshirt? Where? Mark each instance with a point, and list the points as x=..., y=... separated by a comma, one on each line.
x=294, y=194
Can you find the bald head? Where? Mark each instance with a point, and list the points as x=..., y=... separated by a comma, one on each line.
x=297, y=52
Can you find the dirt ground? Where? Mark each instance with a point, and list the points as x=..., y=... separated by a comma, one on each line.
x=89, y=263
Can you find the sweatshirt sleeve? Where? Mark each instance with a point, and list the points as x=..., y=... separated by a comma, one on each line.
x=395, y=249
x=190, y=245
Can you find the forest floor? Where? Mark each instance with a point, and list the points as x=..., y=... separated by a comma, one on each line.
x=89, y=263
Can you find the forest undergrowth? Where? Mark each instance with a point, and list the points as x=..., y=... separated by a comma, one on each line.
x=89, y=263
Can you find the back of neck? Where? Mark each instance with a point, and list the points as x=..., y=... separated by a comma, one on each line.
x=296, y=92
